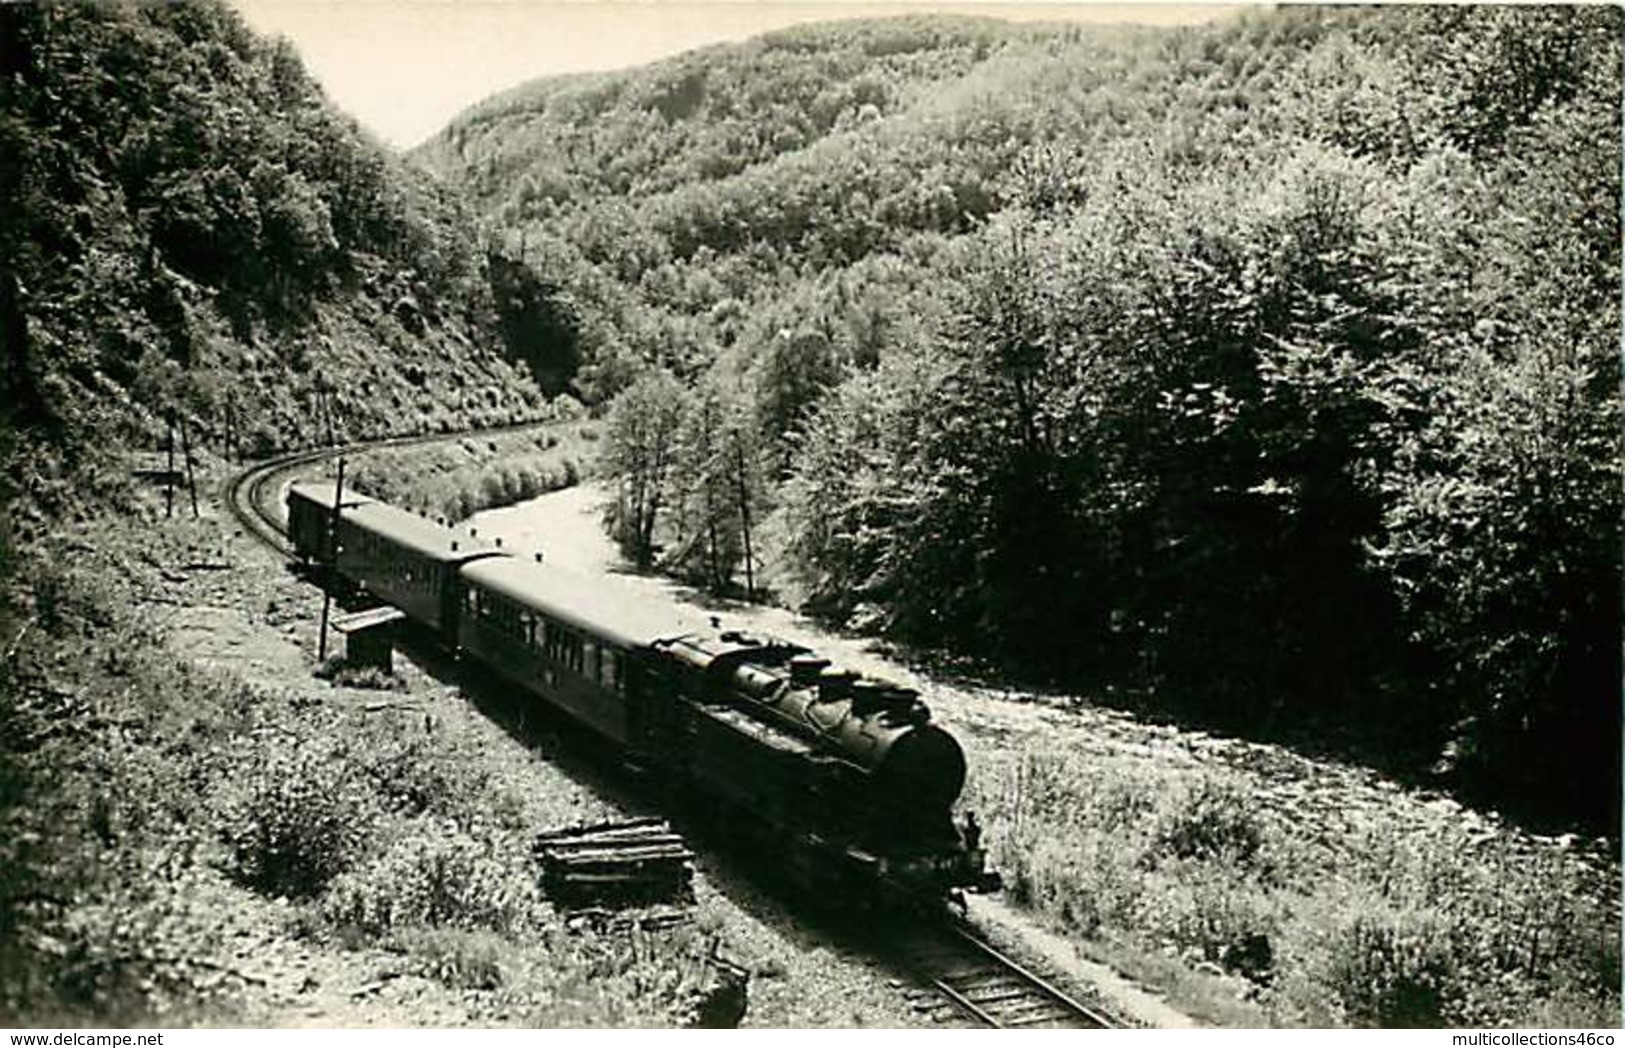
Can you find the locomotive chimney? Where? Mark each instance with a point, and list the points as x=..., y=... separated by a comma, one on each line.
x=804, y=670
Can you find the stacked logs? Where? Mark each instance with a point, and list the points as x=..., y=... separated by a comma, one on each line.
x=630, y=862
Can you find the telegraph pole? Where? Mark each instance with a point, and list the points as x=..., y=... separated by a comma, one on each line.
x=332, y=563
x=169, y=472
x=191, y=480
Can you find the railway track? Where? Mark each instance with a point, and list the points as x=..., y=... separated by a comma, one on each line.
x=250, y=494
x=247, y=499
x=962, y=980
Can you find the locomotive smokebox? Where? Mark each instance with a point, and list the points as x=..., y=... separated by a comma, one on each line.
x=924, y=771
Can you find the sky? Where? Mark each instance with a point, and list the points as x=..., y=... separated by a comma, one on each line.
x=404, y=68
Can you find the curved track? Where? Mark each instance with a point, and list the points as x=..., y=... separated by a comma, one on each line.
x=250, y=493
x=965, y=979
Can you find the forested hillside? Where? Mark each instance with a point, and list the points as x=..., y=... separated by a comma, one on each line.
x=1268, y=370
x=191, y=228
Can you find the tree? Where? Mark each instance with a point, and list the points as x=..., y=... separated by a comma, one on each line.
x=640, y=447
x=716, y=492
x=793, y=371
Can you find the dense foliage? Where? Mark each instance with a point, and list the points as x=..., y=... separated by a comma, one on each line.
x=1271, y=365
x=191, y=228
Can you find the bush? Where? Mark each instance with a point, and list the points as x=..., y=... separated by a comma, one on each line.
x=1208, y=819
x=341, y=672
x=639, y=979
x=299, y=820
x=421, y=775
x=1214, y=915
x=439, y=877
x=455, y=482
x=1392, y=968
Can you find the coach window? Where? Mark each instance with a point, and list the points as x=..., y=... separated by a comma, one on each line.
x=609, y=668
x=589, y=660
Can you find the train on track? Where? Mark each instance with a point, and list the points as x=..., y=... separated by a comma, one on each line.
x=847, y=775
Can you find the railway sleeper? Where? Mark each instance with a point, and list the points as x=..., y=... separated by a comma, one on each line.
x=967, y=977
x=1032, y=1010
x=1015, y=993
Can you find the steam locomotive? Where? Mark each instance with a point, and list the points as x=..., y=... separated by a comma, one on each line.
x=846, y=773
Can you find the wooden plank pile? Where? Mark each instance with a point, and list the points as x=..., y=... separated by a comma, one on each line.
x=630, y=862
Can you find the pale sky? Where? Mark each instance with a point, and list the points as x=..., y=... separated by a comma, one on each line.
x=404, y=68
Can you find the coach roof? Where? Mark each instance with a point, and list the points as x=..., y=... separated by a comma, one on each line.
x=594, y=606
x=418, y=534
x=321, y=493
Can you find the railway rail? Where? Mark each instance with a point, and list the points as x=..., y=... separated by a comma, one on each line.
x=964, y=979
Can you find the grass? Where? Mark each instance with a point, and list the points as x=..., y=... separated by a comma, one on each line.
x=1396, y=924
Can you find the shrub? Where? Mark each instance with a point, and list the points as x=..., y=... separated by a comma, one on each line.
x=298, y=820
x=1208, y=819
x=439, y=877
x=1211, y=914
x=1391, y=968
x=639, y=979
x=1086, y=882
x=420, y=775
x=341, y=672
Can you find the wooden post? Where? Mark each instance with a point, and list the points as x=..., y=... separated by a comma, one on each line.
x=332, y=563
x=191, y=481
x=744, y=516
x=169, y=471
x=231, y=428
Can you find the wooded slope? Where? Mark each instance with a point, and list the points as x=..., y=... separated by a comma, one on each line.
x=191, y=227
x=1271, y=367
